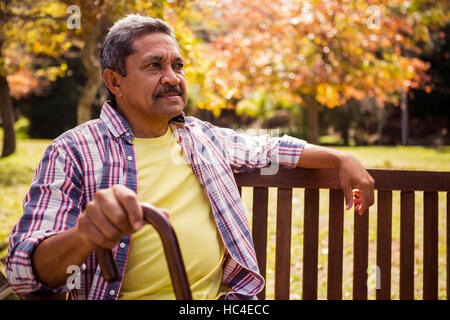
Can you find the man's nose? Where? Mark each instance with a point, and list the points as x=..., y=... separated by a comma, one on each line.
x=170, y=77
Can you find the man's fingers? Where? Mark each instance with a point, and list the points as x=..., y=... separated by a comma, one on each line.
x=129, y=202
x=367, y=195
x=357, y=200
x=364, y=205
x=93, y=234
x=102, y=222
x=348, y=194
x=113, y=211
x=110, y=216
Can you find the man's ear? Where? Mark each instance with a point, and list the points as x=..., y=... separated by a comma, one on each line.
x=112, y=81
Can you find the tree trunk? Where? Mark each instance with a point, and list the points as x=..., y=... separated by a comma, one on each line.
x=313, y=118
x=381, y=117
x=344, y=124
x=345, y=135
x=9, y=135
x=381, y=120
x=405, y=117
x=84, y=106
x=93, y=72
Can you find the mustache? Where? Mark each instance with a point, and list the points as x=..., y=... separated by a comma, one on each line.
x=169, y=89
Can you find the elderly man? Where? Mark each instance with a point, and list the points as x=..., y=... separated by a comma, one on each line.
x=87, y=187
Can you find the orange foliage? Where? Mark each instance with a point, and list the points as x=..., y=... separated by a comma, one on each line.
x=21, y=83
x=333, y=49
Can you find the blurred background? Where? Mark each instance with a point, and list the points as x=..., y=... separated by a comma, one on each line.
x=332, y=72
x=368, y=77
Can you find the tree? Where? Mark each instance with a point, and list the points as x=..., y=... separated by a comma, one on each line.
x=95, y=17
x=26, y=28
x=320, y=53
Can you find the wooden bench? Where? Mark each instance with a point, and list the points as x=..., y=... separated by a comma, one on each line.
x=385, y=182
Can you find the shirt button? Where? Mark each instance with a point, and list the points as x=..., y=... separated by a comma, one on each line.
x=130, y=158
x=122, y=245
x=112, y=292
x=127, y=134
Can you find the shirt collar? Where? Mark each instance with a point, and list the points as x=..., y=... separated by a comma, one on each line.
x=117, y=124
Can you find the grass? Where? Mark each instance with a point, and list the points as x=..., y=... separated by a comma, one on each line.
x=401, y=157
x=16, y=172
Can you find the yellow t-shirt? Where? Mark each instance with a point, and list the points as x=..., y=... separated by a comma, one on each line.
x=166, y=181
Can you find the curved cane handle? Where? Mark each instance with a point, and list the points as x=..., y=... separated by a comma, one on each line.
x=171, y=248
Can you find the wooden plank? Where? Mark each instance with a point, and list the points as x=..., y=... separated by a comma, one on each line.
x=430, y=246
x=448, y=246
x=283, y=244
x=384, y=240
x=360, y=255
x=408, y=180
x=405, y=180
x=335, y=245
x=407, y=245
x=310, y=244
x=292, y=178
x=259, y=230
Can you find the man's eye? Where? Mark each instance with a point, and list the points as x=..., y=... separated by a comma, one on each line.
x=153, y=65
x=179, y=66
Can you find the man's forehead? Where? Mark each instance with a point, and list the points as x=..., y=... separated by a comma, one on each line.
x=155, y=44
x=155, y=57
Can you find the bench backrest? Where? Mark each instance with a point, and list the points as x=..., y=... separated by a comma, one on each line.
x=386, y=181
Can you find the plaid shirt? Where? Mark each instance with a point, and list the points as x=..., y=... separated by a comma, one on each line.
x=99, y=154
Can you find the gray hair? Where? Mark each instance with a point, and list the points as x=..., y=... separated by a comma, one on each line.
x=118, y=42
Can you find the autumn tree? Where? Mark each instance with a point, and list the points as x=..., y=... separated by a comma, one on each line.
x=30, y=28
x=27, y=28
x=95, y=17
x=315, y=52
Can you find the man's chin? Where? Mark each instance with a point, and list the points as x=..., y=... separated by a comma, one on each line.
x=171, y=108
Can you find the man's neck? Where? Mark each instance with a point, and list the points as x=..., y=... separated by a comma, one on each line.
x=149, y=131
x=145, y=127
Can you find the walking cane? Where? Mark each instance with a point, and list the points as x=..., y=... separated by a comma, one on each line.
x=172, y=251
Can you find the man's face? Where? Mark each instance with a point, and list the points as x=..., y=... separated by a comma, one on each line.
x=154, y=86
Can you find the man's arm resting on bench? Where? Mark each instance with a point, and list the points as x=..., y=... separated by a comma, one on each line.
x=351, y=173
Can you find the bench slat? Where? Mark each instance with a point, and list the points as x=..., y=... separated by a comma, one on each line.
x=283, y=244
x=430, y=246
x=259, y=230
x=448, y=246
x=360, y=255
x=384, y=240
x=407, y=245
x=335, y=245
x=310, y=244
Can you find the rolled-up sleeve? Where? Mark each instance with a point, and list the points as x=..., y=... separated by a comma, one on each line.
x=51, y=206
x=247, y=152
